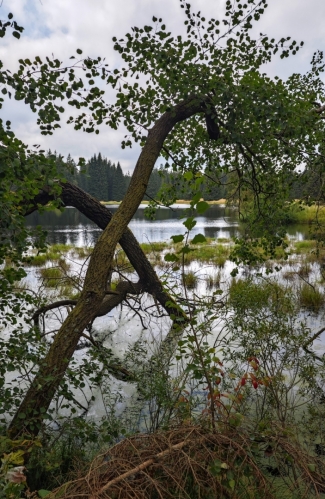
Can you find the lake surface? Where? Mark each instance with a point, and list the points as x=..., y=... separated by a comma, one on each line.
x=71, y=227
x=122, y=329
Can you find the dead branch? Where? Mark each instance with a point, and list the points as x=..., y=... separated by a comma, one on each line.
x=181, y=463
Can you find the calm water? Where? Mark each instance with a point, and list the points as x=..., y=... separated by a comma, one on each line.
x=71, y=227
x=122, y=328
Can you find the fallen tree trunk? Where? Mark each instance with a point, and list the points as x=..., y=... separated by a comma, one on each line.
x=28, y=417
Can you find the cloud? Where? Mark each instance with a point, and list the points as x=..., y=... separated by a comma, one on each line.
x=60, y=27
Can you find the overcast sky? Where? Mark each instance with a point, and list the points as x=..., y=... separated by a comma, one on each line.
x=59, y=27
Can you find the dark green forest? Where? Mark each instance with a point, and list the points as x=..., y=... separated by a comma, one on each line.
x=106, y=181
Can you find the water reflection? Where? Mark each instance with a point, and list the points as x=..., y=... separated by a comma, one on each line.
x=72, y=227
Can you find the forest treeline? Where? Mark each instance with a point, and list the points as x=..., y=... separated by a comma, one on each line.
x=106, y=181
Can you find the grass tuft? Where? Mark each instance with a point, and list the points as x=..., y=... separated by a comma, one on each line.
x=51, y=276
x=311, y=298
x=190, y=279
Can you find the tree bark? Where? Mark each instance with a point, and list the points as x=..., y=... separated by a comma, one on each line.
x=47, y=381
x=71, y=195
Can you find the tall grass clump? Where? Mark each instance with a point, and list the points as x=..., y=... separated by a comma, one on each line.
x=247, y=294
x=213, y=280
x=301, y=247
x=122, y=261
x=216, y=254
x=147, y=248
x=190, y=279
x=52, y=254
x=52, y=276
x=82, y=252
x=311, y=298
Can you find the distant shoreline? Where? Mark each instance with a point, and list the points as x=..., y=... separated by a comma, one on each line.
x=178, y=201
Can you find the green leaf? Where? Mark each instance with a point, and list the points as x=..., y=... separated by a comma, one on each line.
x=177, y=239
x=232, y=484
x=199, y=238
x=171, y=257
x=202, y=206
x=43, y=493
x=190, y=223
x=16, y=34
x=79, y=51
x=188, y=175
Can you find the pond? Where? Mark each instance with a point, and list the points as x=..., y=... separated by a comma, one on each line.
x=122, y=329
x=72, y=227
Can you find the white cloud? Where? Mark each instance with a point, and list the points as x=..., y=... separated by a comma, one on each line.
x=61, y=26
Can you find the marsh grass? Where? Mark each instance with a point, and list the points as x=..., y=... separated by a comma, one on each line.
x=216, y=254
x=245, y=293
x=301, y=213
x=190, y=279
x=39, y=260
x=154, y=247
x=82, y=252
x=53, y=253
x=122, y=262
x=52, y=276
x=304, y=270
x=311, y=298
x=70, y=292
x=213, y=281
x=305, y=246
x=289, y=275
x=64, y=264
x=61, y=248
x=206, y=252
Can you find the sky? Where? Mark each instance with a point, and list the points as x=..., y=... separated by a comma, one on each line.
x=60, y=27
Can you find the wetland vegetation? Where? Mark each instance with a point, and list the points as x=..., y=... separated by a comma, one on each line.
x=189, y=365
